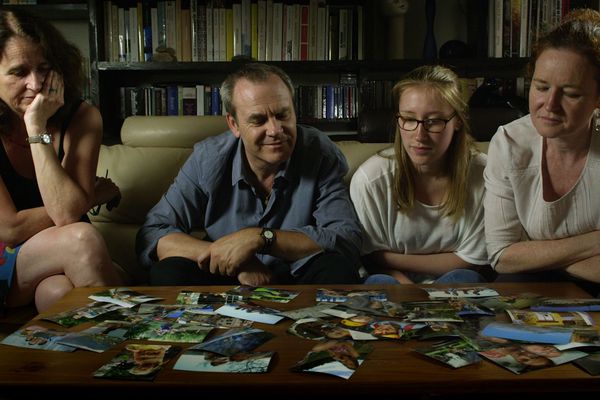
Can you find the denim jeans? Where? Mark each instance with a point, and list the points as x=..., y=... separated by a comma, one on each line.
x=460, y=275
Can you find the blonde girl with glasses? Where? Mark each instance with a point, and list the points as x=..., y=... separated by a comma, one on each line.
x=421, y=203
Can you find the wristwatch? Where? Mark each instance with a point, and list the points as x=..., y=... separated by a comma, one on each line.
x=268, y=237
x=43, y=138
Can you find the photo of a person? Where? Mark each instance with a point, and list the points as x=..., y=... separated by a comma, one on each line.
x=544, y=350
x=146, y=357
x=341, y=351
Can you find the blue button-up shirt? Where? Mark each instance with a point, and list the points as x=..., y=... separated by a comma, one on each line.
x=212, y=192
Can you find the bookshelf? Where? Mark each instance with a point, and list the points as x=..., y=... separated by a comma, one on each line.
x=110, y=73
x=56, y=11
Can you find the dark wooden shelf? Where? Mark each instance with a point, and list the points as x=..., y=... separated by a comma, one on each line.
x=466, y=67
x=70, y=11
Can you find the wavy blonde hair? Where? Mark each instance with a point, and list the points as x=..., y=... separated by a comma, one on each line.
x=446, y=83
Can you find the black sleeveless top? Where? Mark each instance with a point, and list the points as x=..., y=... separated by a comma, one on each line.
x=25, y=192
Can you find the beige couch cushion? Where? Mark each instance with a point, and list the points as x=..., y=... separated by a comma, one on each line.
x=356, y=153
x=143, y=174
x=170, y=131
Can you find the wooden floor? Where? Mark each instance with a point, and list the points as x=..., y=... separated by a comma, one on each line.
x=13, y=318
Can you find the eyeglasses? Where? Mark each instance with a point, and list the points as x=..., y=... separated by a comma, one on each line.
x=432, y=125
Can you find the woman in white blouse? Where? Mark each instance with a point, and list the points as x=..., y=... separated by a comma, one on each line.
x=542, y=207
x=421, y=203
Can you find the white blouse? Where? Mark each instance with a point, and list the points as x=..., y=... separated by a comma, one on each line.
x=424, y=229
x=515, y=208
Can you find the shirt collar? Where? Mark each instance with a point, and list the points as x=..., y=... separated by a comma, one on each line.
x=240, y=172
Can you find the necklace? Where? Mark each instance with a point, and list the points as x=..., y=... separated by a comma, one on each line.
x=267, y=197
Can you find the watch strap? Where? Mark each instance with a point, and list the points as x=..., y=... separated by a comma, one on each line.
x=268, y=237
x=43, y=138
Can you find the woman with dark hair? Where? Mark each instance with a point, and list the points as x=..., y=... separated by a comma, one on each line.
x=542, y=219
x=50, y=141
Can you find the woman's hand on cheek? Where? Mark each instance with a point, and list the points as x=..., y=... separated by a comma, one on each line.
x=45, y=104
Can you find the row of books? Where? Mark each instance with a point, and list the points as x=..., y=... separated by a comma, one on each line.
x=330, y=102
x=218, y=30
x=312, y=101
x=515, y=25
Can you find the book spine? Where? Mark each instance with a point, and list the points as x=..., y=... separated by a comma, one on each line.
x=304, y=32
x=261, y=30
x=254, y=30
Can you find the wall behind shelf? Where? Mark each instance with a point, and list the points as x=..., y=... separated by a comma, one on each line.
x=76, y=32
x=449, y=24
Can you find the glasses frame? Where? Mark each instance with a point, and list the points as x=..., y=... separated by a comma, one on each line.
x=401, y=121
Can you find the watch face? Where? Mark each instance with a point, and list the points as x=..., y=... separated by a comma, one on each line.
x=268, y=234
x=46, y=138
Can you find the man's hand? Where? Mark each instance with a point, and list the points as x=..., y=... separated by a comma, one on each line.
x=226, y=255
x=255, y=274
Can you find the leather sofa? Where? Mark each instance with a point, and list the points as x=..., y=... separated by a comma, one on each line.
x=152, y=151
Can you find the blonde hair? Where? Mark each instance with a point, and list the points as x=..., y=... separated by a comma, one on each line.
x=446, y=83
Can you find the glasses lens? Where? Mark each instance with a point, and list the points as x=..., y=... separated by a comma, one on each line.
x=435, y=125
x=408, y=124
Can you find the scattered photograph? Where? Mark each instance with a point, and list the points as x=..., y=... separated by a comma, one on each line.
x=468, y=292
x=165, y=331
x=528, y=333
x=188, y=297
x=80, y=315
x=549, y=318
x=502, y=303
x=205, y=361
x=37, y=337
x=241, y=340
x=582, y=338
x=590, y=364
x=549, y=304
x=214, y=320
x=430, y=311
x=251, y=312
x=342, y=295
x=455, y=353
x=124, y=297
x=318, y=329
x=98, y=338
x=264, y=293
x=521, y=358
x=338, y=358
x=308, y=312
x=172, y=311
x=137, y=362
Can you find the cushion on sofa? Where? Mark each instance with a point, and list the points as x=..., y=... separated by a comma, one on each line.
x=143, y=174
x=170, y=131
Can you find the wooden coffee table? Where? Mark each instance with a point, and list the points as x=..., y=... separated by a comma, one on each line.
x=392, y=369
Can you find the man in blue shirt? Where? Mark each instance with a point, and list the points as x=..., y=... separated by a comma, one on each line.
x=268, y=193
